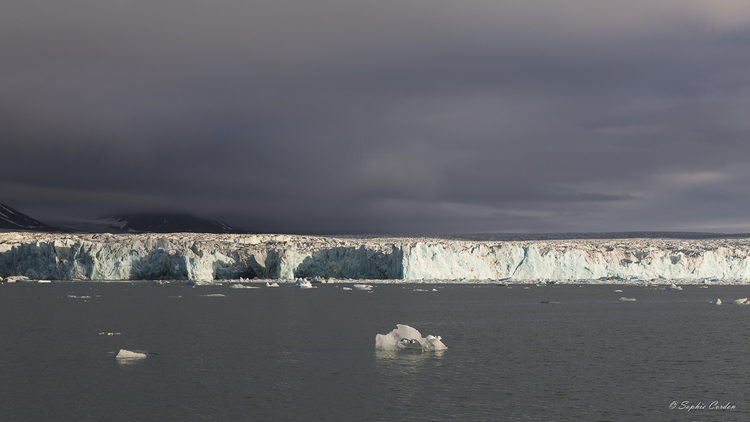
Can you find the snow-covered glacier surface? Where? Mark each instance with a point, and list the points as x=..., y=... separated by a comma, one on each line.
x=189, y=256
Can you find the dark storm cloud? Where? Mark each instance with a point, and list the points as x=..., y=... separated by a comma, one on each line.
x=416, y=116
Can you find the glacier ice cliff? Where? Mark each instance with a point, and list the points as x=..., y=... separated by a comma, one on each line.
x=190, y=256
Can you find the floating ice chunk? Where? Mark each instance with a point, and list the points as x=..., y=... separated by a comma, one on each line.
x=242, y=286
x=274, y=284
x=346, y=288
x=201, y=283
x=127, y=354
x=44, y=281
x=78, y=297
x=742, y=301
x=718, y=301
x=302, y=284
x=627, y=299
x=214, y=295
x=108, y=334
x=15, y=279
x=618, y=291
x=395, y=340
x=673, y=287
x=362, y=287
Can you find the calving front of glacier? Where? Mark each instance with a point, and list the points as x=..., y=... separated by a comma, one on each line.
x=189, y=256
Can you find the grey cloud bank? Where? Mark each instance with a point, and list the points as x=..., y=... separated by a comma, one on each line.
x=379, y=117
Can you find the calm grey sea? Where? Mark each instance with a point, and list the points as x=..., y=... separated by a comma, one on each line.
x=282, y=354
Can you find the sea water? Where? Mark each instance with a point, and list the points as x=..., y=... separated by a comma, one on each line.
x=552, y=353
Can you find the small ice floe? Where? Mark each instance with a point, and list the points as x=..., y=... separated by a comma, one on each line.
x=274, y=284
x=673, y=287
x=526, y=288
x=127, y=354
x=213, y=295
x=14, y=279
x=108, y=334
x=742, y=301
x=406, y=337
x=718, y=301
x=618, y=291
x=362, y=287
x=301, y=283
x=44, y=281
x=346, y=288
x=627, y=299
x=201, y=283
x=422, y=290
x=242, y=286
x=78, y=297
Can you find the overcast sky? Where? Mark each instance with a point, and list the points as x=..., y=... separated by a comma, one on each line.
x=383, y=116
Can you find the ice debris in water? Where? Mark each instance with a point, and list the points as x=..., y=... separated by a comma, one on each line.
x=108, y=334
x=213, y=295
x=718, y=301
x=402, y=337
x=742, y=301
x=302, y=284
x=362, y=287
x=127, y=354
x=274, y=284
x=627, y=299
x=201, y=283
x=242, y=286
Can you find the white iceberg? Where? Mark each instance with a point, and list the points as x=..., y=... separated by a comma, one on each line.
x=242, y=286
x=274, y=284
x=362, y=287
x=213, y=295
x=627, y=299
x=127, y=354
x=718, y=301
x=302, y=284
x=742, y=301
x=673, y=287
x=405, y=336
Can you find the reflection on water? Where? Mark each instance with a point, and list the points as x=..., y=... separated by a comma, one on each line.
x=129, y=361
x=405, y=362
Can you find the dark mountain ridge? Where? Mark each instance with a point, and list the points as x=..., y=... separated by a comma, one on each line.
x=11, y=219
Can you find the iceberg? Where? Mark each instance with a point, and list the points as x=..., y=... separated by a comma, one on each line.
x=302, y=284
x=362, y=287
x=242, y=286
x=406, y=337
x=742, y=301
x=127, y=354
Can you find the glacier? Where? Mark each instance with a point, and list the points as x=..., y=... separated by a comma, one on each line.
x=191, y=256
